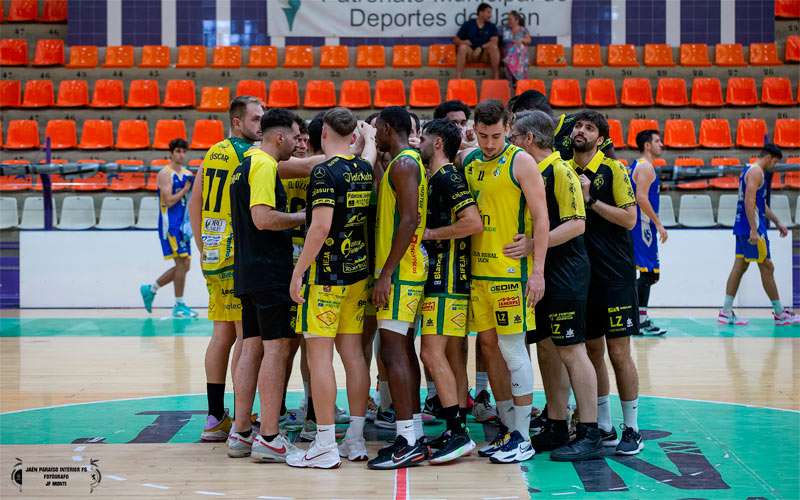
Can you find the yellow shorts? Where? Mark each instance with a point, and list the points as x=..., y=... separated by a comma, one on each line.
x=403, y=304
x=332, y=310
x=370, y=310
x=501, y=305
x=222, y=304
x=445, y=316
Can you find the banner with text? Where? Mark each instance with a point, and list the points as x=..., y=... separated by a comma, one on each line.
x=407, y=18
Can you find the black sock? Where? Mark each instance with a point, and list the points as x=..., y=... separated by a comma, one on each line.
x=269, y=438
x=591, y=425
x=559, y=426
x=450, y=415
x=310, y=415
x=216, y=400
x=283, y=407
x=544, y=412
x=246, y=433
x=462, y=416
x=643, y=289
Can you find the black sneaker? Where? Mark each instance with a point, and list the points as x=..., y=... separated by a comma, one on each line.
x=386, y=419
x=649, y=328
x=631, y=442
x=586, y=446
x=433, y=407
x=402, y=455
x=550, y=438
x=609, y=438
x=452, y=446
x=539, y=422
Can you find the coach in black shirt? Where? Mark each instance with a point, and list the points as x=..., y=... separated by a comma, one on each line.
x=477, y=41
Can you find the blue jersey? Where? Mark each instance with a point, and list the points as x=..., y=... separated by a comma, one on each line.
x=741, y=226
x=173, y=227
x=644, y=233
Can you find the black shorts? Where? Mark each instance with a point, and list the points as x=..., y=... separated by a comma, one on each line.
x=612, y=312
x=267, y=316
x=564, y=320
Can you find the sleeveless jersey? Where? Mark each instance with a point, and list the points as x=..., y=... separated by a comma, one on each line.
x=218, y=166
x=645, y=229
x=504, y=214
x=413, y=267
x=171, y=219
x=296, y=194
x=741, y=226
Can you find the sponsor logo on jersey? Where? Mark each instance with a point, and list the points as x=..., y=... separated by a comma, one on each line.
x=213, y=225
x=428, y=306
x=501, y=317
x=327, y=318
x=211, y=240
x=358, y=219
x=504, y=287
x=358, y=199
x=507, y=302
x=459, y=320
x=210, y=256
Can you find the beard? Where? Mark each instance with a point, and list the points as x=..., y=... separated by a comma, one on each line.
x=582, y=147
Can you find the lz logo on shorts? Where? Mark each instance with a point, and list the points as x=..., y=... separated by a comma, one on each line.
x=555, y=329
x=327, y=318
x=502, y=318
x=616, y=321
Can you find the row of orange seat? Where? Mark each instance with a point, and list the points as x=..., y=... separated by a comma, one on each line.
x=14, y=52
x=27, y=11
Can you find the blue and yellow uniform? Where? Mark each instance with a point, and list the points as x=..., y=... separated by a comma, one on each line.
x=173, y=226
x=644, y=233
x=741, y=227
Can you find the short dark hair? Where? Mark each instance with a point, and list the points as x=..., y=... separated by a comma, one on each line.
x=417, y=123
x=277, y=117
x=448, y=131
x=450, y=106
x=595, y=118
x=518, y=16
x=371, y=117
x=301, y=124
x=239, y=104
x=491, y=112
x=178, y=143
x=528, y=101
x=315, y=132
x=483, y=6
x=644, y=137
x=398, y=118
x=771, y=149
x=341, y=120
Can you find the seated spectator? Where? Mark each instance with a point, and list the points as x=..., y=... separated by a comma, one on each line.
x=477, y=42
x=516, y=40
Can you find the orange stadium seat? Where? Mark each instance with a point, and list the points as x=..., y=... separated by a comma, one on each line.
x=406, y=56
x=334, y=56
x=565, y=93
x=715, y=133
x=283, y=94
x=764, y=54
x=464, y=90
x=49, y=53
x=707, y=92
x=636, y=92
x=726, y=182
x=54, y=11
x=97, y=134
x=389, y=93
x=550, y=55
x=206, y=133
x=495, y=89
x=691, y=185
x=658, y=54
x=168, y=130
x=680, y=134
x=787, y=132
x=133, y=134
x=729, y=54
x=601, y=93
x=227, y=57
x=38, y=94
x=636, y=126
x=23, y=11
x=793, y=177
x=741, y=92
x=442, y=55
x=152, y=177
x=15, y=183
x=263, y=56
x=22, y=134
x=694, y=54
x=10, y=93
x=83, y=56
x=777, y=91
x=72, y=94
x=370, y=56
x=672, y=92
x=120, y=56
x=537, y=85
x=319, y=94
x=13, y=52
x=298, y=56
x=127, y=181
x=255, y=88
x=355, y=94
x=622, y=55
x=586, y=55
x=791, y=52
x=787, y=9
x=750, y=132
x=63, y=134
x=425, y=93
x=143, y=94
x=615, y=131
x=97, y=181
x=179, y=94
x=191, y=56
x=214, y=99
x=155, y=56
x=110, y=94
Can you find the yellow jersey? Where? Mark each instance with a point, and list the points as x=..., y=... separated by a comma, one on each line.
x=413, y=267
x=296, y=196
x=504, y=213
x=216, y=232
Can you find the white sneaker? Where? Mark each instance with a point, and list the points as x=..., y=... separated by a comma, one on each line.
x=517, y=449
x=316, y=457
x=238, y=445
x=482, y=409
x=341, y=416
x=355, y=449
x=275, y=451
x=786, y=318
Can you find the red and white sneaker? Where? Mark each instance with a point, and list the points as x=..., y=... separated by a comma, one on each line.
x=729, y=318
x=785, y=318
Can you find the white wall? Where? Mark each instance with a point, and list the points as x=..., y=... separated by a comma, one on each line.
x=105, y=269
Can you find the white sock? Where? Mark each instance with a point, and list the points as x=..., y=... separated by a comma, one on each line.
x=405, y=428
x=356, y=429
x=522, y=420
x=603, y=413
x=179, y=300
x=154, y=287
x=630, y=413
x=505, y=412
x=326, y=435
x=386, y=396
x=777, y=307
x=481, y=382
x=431, y=388
x=418, y=432
x=728, y=304
x=642, y=314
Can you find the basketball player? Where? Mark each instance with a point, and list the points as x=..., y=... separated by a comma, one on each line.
x=452, y=217
x=262, y=264
x=331, y=307
x=174, y=183
x=611, y=309
x=647, y=185
x=752, y=243
x=506, y=185
x=400, y=275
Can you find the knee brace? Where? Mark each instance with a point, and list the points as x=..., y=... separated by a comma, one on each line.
x=515, y=353
x=648, y=278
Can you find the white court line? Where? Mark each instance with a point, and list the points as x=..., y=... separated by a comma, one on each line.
x=500, y=498
x=115, y=478
x=156, y=486
x=210, y=493
x=77, y=458
x=79, y=448
x=275, y=498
